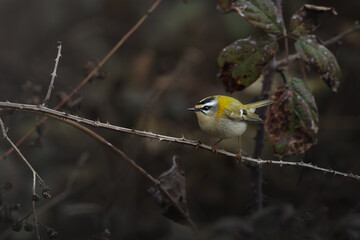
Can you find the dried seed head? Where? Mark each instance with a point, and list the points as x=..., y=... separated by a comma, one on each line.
x=46, y=193
x=28, y=227
x=16, y=226
x=52, y=233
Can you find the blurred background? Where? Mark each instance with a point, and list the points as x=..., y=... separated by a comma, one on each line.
x=166, y=66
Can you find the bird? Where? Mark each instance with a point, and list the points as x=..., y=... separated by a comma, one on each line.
x=226, y=117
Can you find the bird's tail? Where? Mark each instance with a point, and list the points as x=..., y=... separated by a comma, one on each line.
x=255, y=105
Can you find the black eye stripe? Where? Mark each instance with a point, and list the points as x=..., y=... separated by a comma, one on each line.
x=244, y=112
x=206, y=108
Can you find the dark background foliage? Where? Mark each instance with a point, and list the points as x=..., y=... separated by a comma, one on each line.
x=166, y=66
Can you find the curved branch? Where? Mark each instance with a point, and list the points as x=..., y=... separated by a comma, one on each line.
x=92, y=73
x=63, y=116
x=127, y=159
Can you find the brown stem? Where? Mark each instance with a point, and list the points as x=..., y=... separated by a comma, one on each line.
x=88, y=77
x=259, y=141
x=257, y=176
x=132, y=163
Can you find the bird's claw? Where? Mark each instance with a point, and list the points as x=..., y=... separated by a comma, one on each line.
x=239, y=157
x=213, y=148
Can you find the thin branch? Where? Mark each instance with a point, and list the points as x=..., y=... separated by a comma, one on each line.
x=3, y=129
x=53, y=75
x=257, y=179
x=124, y=157
x=35, y=175
x=57, y=199
x=337, y=38
x=329, y=42
x=62, y=116
x=127, y=159
x=132, y=163
x=34, y=207
x=91, y=74
x=68, y=187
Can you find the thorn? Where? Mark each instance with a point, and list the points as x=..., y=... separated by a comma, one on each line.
x=183, y=137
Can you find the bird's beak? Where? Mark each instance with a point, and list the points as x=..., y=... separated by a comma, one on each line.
x=193, y=109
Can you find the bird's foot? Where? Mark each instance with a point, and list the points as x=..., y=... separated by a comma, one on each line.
x=213, y=148
x=239, y=157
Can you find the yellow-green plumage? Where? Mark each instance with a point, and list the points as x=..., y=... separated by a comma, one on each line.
x=227, y=117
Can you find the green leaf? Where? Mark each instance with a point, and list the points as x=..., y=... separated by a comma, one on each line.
x=292, y=121
x=305, y=20
x=260, y=13
x=321, y=58
x=242, y=62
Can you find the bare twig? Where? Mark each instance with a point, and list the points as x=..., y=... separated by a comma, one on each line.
x=257, y=179
x=257, y=175
x=91, y=74
x=57, y=199
x=19, y=153
x=124, y=157
x=53, y=75
x=132, y=163
x=68, y=188
x=34, y=207
x=337, y=38
x=181, y=140
x=329, y=42
x=35, y=176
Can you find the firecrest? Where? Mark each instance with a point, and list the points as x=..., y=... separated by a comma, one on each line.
x=226, y=117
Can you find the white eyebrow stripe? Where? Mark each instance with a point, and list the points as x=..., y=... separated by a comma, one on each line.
x=210, y=104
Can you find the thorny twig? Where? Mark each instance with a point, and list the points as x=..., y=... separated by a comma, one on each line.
x=127, y=159
x=90, y=75
x=53, y=75
x=124, y=157
x=35, y=175
x=62, y=116
x=19, y=153
x=58, y=198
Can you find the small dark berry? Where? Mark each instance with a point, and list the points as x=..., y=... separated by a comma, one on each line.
x=16, y=226
x=35, y=198
x=28, y=227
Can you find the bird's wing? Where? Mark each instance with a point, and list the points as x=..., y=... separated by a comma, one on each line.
x=239, y=112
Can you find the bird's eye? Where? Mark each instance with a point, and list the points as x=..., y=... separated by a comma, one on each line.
x=206, y=108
